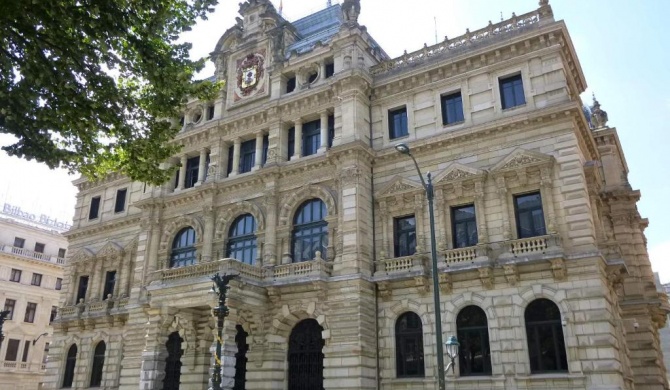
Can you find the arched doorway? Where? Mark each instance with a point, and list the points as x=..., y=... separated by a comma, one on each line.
x=305, y=356
x=173, y=362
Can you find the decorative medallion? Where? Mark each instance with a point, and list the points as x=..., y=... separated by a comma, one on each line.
x=250, y=75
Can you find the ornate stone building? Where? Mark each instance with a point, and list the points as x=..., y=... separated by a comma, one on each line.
x=32, y=261
x=290, y=179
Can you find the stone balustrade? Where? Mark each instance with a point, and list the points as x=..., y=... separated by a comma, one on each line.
x=493, y=30
x=302, y=269
x=401, y=265
x=460, y=255
x=531, y=245
x=29, y=254
x=92, y=309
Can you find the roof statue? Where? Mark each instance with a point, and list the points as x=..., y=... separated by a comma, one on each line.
x=350, y=10
x=598, y=116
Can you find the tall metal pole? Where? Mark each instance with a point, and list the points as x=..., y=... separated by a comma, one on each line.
x=404, y=149
x=221, y=311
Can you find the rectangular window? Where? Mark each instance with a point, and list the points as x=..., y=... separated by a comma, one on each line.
x=311, y=137
x=120, y=203
x=95, y=208
x=210, y=112
x=464, y=226
x=291, y=143
x=45, y=357
x=39, y=247
x=10, y=304
x=15, y=275
x=404, y=236
x=61, y=252
x=59, y=283
x=529, y=215
x=54, y=313
x=19, y=242
x=290, y=84
x=247, y=155
x=511, y=92
x=110, y=281
x=330, y=69
x=452, y=108
x=266, y=145
x=31, y=309
x=36, y=280
x=26, y=349
x=331, y=130
x=192, y=166
x=83, y=286
x=12, y=350
x=231, y=151
x=398, y=123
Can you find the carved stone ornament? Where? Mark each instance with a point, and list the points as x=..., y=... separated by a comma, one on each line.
x=558, y=269
x=250, y=75
x=350, y=11
x=421, y=283
x=457, y=174
x=511, y=274
x=385, y=290
x=598, y=115
x=486, y=277
x=446, y=285
x=520, y=160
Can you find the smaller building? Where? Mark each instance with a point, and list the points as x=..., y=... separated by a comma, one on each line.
x=31, y=275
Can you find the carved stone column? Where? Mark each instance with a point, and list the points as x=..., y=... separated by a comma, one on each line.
x=236, y=157
x=259, y=152
x=502, y=194
x=202, y=167
x=297, y=142
x=420, y=225
x=548, y=199
x=384, y=216
x=270, y=247
x=324, y=132
x=208, y=234
x=154, y=240
x=482, y=232
x=182, y=173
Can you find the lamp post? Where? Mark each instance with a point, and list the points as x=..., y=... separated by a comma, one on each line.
x=452, y=351
x=3, y=317
x=404, y=149
x=220, y=288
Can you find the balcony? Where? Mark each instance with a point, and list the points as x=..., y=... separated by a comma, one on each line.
x=531, y=247
x=93, y=309
x=401, y=266
x=22, y=366
x=28, y=254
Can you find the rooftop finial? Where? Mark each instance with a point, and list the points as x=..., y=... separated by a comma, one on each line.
x=350, y=11
x=598, y=116
x=542, y=3
x=329, y=3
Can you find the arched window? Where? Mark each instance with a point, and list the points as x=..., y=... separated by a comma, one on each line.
x=70, y=362
x=305, y=356
x=173, y=362
x=546, y=346
x=409, y=346
x=310, y=231
x=98, y=364
x=183, y=248
x=473, y=334
x=241, y=358
x=242, y=239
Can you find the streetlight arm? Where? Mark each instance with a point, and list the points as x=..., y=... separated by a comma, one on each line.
x=419, y=171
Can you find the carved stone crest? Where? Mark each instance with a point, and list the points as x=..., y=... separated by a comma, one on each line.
x=250, y=75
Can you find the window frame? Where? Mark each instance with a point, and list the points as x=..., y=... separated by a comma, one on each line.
x=534, y=341
x=119, y=209
x=19, y=240
x=481, y=331
x=59, y=284
x=309, y=231
x=15, y=275
x=11, y=308
x=70, y=366
x=515, y=81
x=311, y=137
x=247, y=156
x=82, y=288
x=455, y=223
x=31, y=313
x=444, y=103
x=394, y=132
x=36, y=279
x=14, y=351
x=62, y=252
x=53, y=314
x=402, y=340
x=183, y=256
x=191, y=172
x=517, y=215
x=94, y=208
x=98, y=364
x=291, y=84
x=398, y=231
x=109, y=285
x=25, y=352
x=245, y=242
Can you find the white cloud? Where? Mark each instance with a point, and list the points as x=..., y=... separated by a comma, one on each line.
x=660, y=260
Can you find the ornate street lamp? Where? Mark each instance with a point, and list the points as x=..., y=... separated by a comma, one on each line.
x=3, y=316
x=220, y=287
x=404, y=149
x=452, y=351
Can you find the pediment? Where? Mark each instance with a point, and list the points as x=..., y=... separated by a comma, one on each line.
x=110, y=249
x=522, y=158
x=398, y=185
x=457, y=172
x=81, y=255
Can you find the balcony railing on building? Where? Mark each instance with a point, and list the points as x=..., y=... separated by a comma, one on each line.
x=29, y=254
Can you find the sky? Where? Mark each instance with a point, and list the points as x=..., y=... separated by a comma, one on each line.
x=621, y=44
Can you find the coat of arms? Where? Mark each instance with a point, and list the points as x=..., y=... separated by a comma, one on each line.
x=249, y=74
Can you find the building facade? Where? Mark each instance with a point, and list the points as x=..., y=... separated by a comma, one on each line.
x=32, y=262
x=291, y=181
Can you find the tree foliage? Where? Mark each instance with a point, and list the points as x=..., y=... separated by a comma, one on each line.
x=88, y=84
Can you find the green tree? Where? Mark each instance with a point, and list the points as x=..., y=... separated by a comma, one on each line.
x=87, y=84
